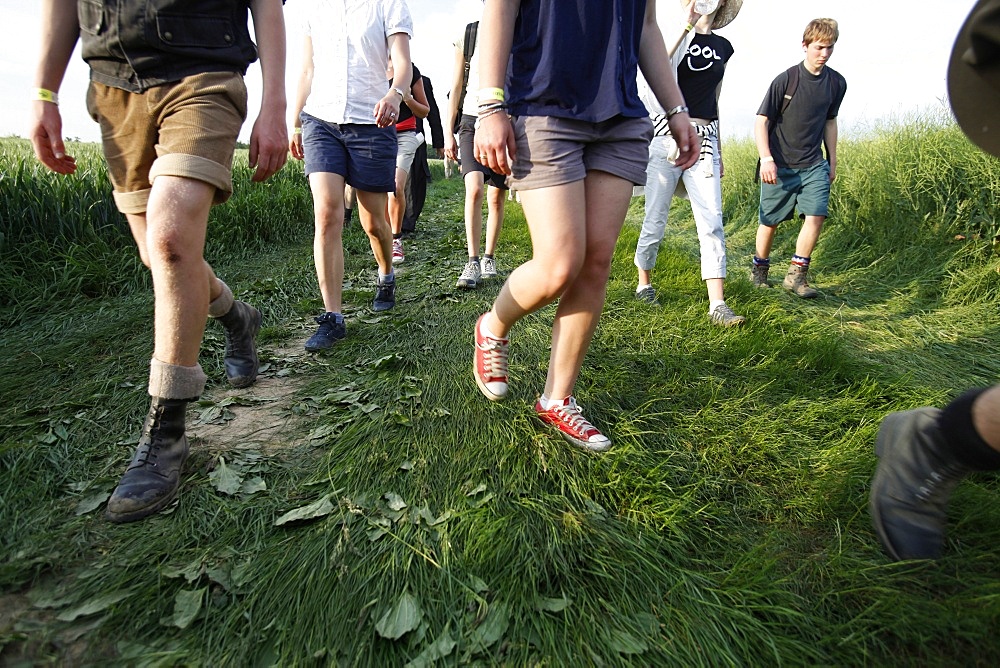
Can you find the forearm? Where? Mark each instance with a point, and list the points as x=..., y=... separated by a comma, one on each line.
x=830, y=139
x=417, y=102
x=761, y=136
x=402, y=67
x=496, y=34
x=654, y=62
x=60, y=32
x=305, y=82
x=269, y=28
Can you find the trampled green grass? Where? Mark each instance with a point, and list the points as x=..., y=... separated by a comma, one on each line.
x=728, y=525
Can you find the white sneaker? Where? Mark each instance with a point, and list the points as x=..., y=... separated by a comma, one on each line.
x=488, y=267
x=470, y=276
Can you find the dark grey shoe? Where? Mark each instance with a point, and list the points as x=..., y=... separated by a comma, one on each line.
x=647, y=295
x=912, y=484
x=331, y=329
x=758, y=275
x=795, y=280
x=151, y=480
x=385, y=296
x=241, y=325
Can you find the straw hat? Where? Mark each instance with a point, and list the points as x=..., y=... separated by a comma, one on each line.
x=974, y=76
x=726, y=13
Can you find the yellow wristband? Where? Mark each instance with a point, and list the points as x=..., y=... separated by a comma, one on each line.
x=45, y=95
x=689, y=27
x=297, y=131
x=491, y=94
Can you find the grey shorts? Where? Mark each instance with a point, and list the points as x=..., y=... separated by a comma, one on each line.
x=467, y=149
x=555, y=151
x=407, y=142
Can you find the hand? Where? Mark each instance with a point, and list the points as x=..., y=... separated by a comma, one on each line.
x=46, y=138
x=268, y=145
x=450, y=146
x=722, y=167
x=387, y=110
x=686, y=138
x=295, y=146
x=833, y=171
x=495, y=147
x=439, y=152
x=768, y=172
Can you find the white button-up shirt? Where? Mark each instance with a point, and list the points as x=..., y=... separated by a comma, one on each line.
x=351, y=55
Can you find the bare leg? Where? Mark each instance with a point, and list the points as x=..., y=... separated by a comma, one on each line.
x=473, y=211
x=494, y=221
x=765, y=238
x=808, y=235
x=607, y=200
x=175, y=225
x=557, y=222
x=715, y=288
x=397, y=202
x=328, y=242
x=371, y=207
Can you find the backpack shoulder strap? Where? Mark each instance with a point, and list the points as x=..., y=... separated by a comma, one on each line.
x=793, y=84
x=471, y=31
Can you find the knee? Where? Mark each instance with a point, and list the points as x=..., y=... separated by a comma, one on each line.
x=172, y=247
x=559, y=276
x=329, y=217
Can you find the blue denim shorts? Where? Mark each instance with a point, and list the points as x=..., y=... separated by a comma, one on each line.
x=808, y=189
x=365, y=155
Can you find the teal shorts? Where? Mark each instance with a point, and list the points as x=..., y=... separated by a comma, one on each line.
x=808, y=189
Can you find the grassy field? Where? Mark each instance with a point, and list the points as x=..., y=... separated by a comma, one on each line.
x=369, y=507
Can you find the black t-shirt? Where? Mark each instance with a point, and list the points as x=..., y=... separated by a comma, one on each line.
x=700, y=72
x=404, y=111
x=796, y=137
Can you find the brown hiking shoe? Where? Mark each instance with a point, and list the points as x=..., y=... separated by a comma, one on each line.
x=795, y=280
x=758, y=275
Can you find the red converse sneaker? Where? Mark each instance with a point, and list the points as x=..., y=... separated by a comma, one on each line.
x=397, y=251
x=575, y=428
x=489, y=364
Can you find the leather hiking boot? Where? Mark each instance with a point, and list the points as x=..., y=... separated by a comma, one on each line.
x=151, y=480
x=912, y=484
x=758, y=275
x=241, y=325
x=795, y=280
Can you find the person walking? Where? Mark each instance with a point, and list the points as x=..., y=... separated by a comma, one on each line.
x=796, y=119
x=170, y=110
x=699, y=60
x=479, y=179
x=924, y=453
x=408, y=139
x=344, y=130
x=574, y=146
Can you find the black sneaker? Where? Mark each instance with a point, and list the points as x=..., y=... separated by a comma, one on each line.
x=331, y=329
x=385, y=296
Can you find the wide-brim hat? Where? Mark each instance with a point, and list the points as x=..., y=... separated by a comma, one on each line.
x=974, y=76
x=726, y=14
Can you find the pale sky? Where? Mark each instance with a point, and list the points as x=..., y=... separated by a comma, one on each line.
x=894, y=56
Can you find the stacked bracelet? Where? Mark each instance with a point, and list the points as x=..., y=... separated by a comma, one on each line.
x=486, y=115
x=487, y=108
x=45, y=95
